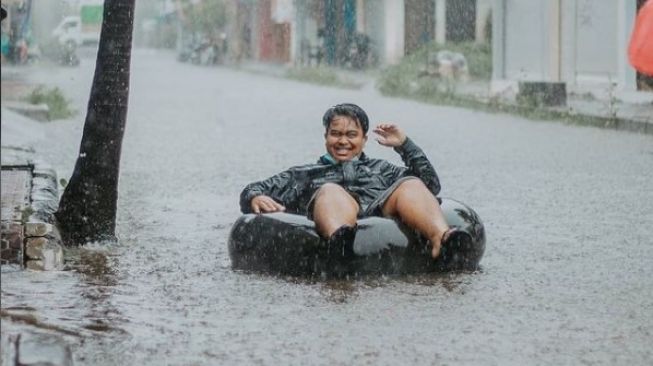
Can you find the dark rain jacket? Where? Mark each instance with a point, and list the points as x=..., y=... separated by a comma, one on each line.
x=366, y=178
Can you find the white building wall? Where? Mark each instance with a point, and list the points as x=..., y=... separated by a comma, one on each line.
x=626, y=74
x=46, y=15
x=580, y=42
x=375, y=29
x=596, y=40
x=483, y=10
x=394, y=31
x=440, y=21
x=360, y=16
x=387, y=29
x=525, y=46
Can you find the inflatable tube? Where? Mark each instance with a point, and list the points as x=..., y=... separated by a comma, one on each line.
x=282, y=243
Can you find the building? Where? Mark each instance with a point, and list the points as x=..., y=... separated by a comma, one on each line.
x=581, y=43
x=394, y=28
x=324, y=31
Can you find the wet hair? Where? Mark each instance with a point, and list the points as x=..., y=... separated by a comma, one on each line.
x=346, y=109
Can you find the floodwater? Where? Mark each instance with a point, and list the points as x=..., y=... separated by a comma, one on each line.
x=568, y=210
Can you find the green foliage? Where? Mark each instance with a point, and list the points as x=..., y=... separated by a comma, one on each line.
x=404, y=78
x=320, y=75
x=207, y=17
x=58, y=105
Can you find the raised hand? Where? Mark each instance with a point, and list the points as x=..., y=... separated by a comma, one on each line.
x=389, y=134
x=265, y=203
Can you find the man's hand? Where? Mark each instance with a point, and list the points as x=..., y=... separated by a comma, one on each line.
x=389, y=135
x=265, y=203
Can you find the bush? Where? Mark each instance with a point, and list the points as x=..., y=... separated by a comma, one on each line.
x=404, y=79
x=320, y=75
x=58, y=105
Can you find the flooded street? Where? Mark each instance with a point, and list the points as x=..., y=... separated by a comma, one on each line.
x=568, y=211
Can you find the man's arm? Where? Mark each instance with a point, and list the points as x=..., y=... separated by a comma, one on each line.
x=417, y=164
x=266, y=195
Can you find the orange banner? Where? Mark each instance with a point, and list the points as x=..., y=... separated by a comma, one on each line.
x=640, y=48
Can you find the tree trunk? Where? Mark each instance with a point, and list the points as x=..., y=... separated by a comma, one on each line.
x=87, y=209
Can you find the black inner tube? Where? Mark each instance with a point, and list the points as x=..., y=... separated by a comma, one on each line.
x=282, y=243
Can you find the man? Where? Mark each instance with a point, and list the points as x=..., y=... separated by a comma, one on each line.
x=345, y=184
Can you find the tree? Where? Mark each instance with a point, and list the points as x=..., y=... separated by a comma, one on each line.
x=87, y=209
x=206, y=18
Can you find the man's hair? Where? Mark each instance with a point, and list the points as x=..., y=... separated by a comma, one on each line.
x=346, y=109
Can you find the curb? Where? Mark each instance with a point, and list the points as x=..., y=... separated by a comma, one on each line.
x=30, y=239
x=37, y=112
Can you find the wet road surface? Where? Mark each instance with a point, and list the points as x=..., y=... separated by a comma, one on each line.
x=566, y=277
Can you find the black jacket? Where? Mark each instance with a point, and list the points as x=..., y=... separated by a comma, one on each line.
x=367, y=178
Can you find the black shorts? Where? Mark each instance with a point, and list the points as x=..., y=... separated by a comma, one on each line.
x=375, y=208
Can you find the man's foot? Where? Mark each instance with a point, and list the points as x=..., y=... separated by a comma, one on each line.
x=454, y=240
x=341, y=242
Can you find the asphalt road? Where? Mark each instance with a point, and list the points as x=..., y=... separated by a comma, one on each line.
x=568, y=210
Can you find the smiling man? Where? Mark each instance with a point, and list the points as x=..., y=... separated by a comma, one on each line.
x=345, y=185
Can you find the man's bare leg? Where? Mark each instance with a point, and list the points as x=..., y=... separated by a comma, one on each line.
x=333, y=208
x=416, y=206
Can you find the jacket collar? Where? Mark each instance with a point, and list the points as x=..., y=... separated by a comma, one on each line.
x=327, y=159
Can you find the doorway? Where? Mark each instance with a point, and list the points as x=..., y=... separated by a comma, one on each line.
x=419, y=23
x=460, y=20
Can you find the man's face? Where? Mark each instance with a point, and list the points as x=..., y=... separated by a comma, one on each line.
x=344, y=139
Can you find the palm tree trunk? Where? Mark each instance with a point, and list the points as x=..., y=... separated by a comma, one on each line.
x=87, y=209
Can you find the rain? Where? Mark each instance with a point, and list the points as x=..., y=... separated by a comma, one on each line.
x=533, y=114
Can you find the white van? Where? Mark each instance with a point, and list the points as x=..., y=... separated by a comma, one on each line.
x=71, y=32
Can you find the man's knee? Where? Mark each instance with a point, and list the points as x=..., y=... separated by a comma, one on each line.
x=410, y=186
x=407, y=191
x=329, y=190
x=333, y=202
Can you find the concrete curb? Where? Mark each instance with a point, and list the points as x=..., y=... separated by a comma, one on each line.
x=30, y=237
x=38, y=112
x=566, y=115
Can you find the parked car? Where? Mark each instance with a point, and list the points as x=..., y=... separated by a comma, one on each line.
x=82, y=29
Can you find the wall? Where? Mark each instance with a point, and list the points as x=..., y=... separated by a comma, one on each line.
x=394, y=31
x=580, y=42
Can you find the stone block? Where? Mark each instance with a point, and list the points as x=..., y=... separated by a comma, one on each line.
x=35, y=265
x=38, y=229
x=45, y=250
x=45, y=195
x=542, y=93
x=12, y=243
x=16, y=188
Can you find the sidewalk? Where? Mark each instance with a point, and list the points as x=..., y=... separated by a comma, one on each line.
x=29, y=199
x=626, y=111
x=28, y=236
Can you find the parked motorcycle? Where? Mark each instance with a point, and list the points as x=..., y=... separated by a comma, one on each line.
x=359, y=51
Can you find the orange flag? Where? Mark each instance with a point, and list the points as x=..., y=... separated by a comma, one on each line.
x=640, y=48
